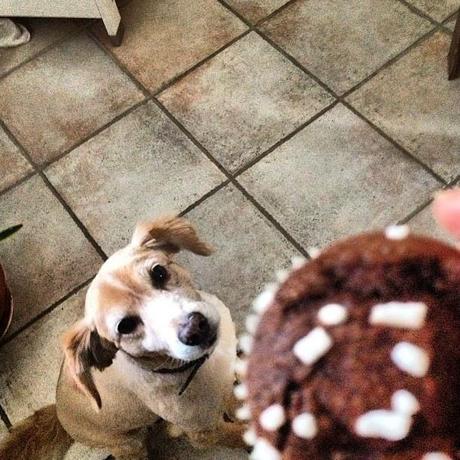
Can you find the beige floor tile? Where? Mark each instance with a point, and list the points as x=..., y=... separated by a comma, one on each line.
x=48, y=257
x=63, y=96
x=181, y=450
x=437, y=9
x=248, y=251
x=13, y=165
x=255, y=10
x=343, y=41
x=44, y=33
x=31, y=361
x=335, y=178
x=244, y=100
x=164, y=38
x=425, y=224
x=140, y=167
x=415, y=104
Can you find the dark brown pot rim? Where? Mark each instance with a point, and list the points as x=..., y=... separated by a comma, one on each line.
x=6, y=309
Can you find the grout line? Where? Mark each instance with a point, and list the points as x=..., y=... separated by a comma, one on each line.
x=297, y=63
x=74, y=217
x=284, y=139
x=5, y=418
x=276, y=12
x=45, y=165
x=419, y=12
x=118, y=63
x=396, y=144
x=178, y=77
x=57, y=195
x=231, y=179
x=424, y=205
x=43, y=51
x=414, y=212
x=45, y=312
x=394, y=59
x=204, y=197
x=29, y=175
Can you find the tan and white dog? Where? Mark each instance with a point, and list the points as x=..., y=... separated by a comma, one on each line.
x=149, y=347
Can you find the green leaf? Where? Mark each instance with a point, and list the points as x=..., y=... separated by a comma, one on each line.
x=9, y=231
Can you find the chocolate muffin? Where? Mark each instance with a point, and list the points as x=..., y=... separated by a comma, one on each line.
x=356, y=355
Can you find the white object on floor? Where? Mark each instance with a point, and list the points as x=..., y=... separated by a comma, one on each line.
x=12, y=34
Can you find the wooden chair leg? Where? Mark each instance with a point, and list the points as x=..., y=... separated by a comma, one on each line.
x=454, y=53
x=112, y=20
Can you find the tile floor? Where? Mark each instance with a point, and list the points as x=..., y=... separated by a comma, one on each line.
x=274, y=125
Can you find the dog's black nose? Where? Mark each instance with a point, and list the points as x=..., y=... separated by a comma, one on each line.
x=195, y=330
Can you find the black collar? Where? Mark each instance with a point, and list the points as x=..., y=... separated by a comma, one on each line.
x=194, y=365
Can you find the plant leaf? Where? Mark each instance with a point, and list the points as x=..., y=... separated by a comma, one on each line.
x=9, y=231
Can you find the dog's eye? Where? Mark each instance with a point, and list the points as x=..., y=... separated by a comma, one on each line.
x=159, y=275
x=128, y=324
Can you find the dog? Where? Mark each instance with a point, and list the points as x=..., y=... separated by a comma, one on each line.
x=150, y=348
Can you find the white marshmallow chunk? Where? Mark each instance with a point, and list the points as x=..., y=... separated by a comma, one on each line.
x=313, y=346
x=411, y=359
x=304, y=426
x=272, y=418
x=404, y=315
x=332, y=314
x=383, y=424
x=405, y=402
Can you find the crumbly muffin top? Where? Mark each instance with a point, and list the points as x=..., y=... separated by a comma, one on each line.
x=357, y=354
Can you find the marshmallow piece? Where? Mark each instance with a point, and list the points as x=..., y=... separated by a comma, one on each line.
x=383, y=424
x=313, y=252
x=313, y=346
x=250, y=437
x=282, y=275
x=397, y=232
x=263, y=450
x=298, y=262
x=405, y=315
x=304, y=426
x=264, y=299
x=436, y=456
x=243, y=413
x=411, y=359
x=240, y=391
x=332, y=314
x=252, y=321
x=404, y=402
x=245, y=341
x=272, y=417
x=240, y=367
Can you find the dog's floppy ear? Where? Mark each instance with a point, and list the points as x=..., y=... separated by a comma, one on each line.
x=84, y=349
x=171, y=234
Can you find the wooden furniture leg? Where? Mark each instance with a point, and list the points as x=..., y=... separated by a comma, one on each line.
x=112, y=20
x=454, y=52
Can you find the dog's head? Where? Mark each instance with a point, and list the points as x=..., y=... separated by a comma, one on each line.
x=144, y=303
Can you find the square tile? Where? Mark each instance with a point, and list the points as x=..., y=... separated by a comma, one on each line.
x=180, y=449
x=248, y=251
x=244, y=100
x=425, y=224
x=437, y=9
x=32, y=360
x=139, y=167
x=63, y=96
x=12, y=164
x=48, y=257
x=343, y=41
x=164, y=38
x=335, y=178
x=415, y=104
x=255, y=10
x=44, y=33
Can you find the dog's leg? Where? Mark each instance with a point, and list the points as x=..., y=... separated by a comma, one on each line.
x=227, y=434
